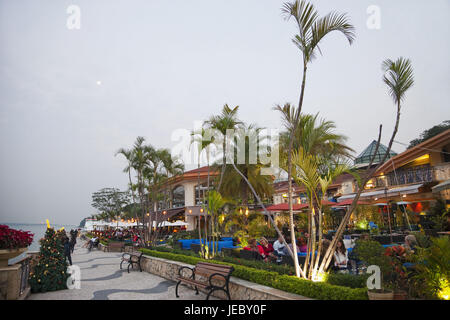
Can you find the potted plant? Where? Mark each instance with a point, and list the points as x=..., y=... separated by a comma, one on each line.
x=13, y=243
x=373, y=253
x=396, y=274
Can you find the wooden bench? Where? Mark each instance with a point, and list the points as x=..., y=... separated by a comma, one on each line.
x=132, y=258
x=209, y=272
x=115, y=245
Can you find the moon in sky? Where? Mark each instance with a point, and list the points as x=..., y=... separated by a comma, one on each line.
x=99, y=83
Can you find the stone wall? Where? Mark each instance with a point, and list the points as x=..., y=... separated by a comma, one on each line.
x=239, y=289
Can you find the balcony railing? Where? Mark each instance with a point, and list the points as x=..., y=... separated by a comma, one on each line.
x=419, y=174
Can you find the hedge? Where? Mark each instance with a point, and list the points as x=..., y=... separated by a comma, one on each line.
x=306, y=288
x=281, y=269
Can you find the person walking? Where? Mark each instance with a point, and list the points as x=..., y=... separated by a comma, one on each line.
x=67, y=249
x=73, y=239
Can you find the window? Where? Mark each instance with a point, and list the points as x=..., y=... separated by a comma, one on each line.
x=200, y=193
x=178, y=197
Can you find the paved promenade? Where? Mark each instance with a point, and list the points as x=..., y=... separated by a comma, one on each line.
x=101, y=279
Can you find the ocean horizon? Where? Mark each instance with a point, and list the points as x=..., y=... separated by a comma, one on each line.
x=38, y=229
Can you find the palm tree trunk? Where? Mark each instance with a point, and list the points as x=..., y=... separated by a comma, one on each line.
x=199, y=216
x=368, y=174
x=224, y=159
x=291, y=211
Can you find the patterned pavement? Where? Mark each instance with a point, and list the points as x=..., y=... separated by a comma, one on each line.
x=101, y=279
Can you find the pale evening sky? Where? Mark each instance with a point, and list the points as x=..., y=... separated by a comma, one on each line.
x=70, y=98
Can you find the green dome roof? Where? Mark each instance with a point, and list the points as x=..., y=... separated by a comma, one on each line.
x=366, y=155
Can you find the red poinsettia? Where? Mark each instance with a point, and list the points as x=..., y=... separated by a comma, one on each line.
x=13, y=239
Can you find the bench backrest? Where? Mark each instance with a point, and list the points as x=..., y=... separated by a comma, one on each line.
x=206, y=269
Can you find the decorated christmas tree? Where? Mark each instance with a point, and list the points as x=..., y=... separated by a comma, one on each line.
x=50, y=273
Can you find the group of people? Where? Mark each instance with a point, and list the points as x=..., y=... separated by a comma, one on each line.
x=275, y=252
x=69, y=244
x=342, y=259
x=119, y=234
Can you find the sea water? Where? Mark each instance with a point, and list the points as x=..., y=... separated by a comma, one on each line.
x=39, y=232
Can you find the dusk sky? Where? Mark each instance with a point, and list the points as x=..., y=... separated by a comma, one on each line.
x=70, y=98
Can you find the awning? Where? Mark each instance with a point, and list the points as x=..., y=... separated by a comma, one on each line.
x=170, y=224
x=441, y=186
x=390, y=192
x=295, y=206
x=348, y=202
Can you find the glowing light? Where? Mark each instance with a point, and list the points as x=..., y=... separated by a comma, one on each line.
x=190, y=211
x=48, y=224
x=444, y=292
x=284, y=195
x=246, y=212
x=99, y=83
x=201, y=210
x=148, y=214
x=319, y=277
x=404, y=196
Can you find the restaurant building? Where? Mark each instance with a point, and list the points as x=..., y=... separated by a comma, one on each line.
x=184, y=196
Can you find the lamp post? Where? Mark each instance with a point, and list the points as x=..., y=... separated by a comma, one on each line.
x=389, y=214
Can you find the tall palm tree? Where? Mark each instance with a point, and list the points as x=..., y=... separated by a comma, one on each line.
x=312, y=29
x=399, y=78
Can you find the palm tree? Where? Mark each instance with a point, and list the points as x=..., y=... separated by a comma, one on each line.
x=227, y=120
x=233, y=184
x=308, y=173
x=312, y=29
x=129, y=154
x=399, y=78
x=203, y=142
x=214, y=203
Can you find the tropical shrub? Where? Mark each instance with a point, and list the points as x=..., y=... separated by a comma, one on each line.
x=431, y=275
x=258, y=227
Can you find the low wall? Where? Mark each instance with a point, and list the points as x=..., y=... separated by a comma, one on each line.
x=239, y=289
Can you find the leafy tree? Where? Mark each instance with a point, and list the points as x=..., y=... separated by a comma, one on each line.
x=430, y=133
x=110, y=202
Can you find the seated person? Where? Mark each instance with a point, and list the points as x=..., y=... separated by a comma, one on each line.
x=266, y=250
x=303, y=243
x=410, y=243
x=340, y=256
x=252, y=246
x=286, y=251
x=278, y=247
